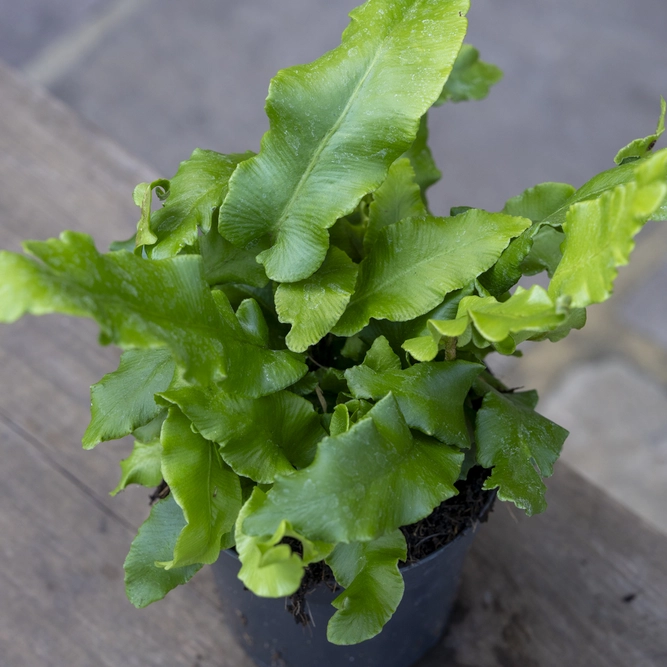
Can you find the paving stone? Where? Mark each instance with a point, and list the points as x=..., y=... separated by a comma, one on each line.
x=27, y=26
x=581, y=82
x=645, y=309
x=617, y=420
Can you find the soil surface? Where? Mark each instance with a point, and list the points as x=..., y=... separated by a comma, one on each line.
x=423, y=538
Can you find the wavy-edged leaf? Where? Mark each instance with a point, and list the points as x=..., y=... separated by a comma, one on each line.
x=143, y=466
x=143, y=198
x=599, y=232
x=123, y=401
x=416, y=262
x=641, y=147
x=144, y=581
x=225, y=263
x=520, y=445
x=190, y=200
x=430, y=395
x=421, y=159
x=373, y=587
x=268, y=568
x=144, y=304
x=531, y=310
x=471, y=78
x=259, y=438
x=207, y=491
x=312, y=306
x=337, y=125
x=540, y=201
x=364, y=483
x=399, y=197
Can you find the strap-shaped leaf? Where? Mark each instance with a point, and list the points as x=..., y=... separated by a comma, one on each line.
x=144, y=304
x=471, y=78
x=520, y=445
x=312, y=306
x=259, y=438
x=225, y=263
x=599, y=232
x=640, y=147
x=421, y=159
x=190, y=199
x=144, y=581
x=123, y=401
x=337, y=125
x=430, y=395
x=399, y=197
x=416, y=262
x=270, y=568
x=207, y=491
x=373, y=587
x=539, y=202
x=364, y=483
x=143, y=466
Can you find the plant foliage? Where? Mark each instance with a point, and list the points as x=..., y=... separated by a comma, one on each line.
x=305, y=342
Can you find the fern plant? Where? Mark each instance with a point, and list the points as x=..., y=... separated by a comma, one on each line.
x=305, y=342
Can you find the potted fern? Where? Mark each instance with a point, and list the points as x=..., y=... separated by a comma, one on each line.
x=304, y=369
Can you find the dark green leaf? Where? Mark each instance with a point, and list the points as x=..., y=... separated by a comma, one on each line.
x=142, y=467
x=471, y=78
x=363, y=483
x=155, y=541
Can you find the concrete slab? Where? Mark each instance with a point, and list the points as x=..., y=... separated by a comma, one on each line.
x=617, y=419
x=645, y=308
x=28, y=26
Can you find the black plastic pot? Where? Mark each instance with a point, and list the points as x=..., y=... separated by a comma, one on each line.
x=273, y=639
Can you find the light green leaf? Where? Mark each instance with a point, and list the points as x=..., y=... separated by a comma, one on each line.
x=430, y=395
x=399, y=197
x=337, y=125
x=207, y=491
x=123, y=401
x=259, y=438
x=416, y=262
x=599, y=232
x=419, y=154
x=312, y=306
x=225, y=263
x=143, y=198
x=530, y=310
x=144, y=581
x=268, y=568
x=422, y=348
x=144, y=304
x=520, y=445
x=192, y=197
x=373, y=587
x=142, y=467
x=471, y=78
x=340, y=420
x=641, y=147
x=363, y=483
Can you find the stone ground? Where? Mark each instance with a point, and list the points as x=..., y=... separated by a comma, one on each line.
x=583, y=79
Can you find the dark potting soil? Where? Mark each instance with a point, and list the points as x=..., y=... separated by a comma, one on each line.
x=423, y=538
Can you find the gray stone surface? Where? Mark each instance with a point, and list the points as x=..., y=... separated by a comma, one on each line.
x=618, y=433
x=646, y=308
x=28, y=26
